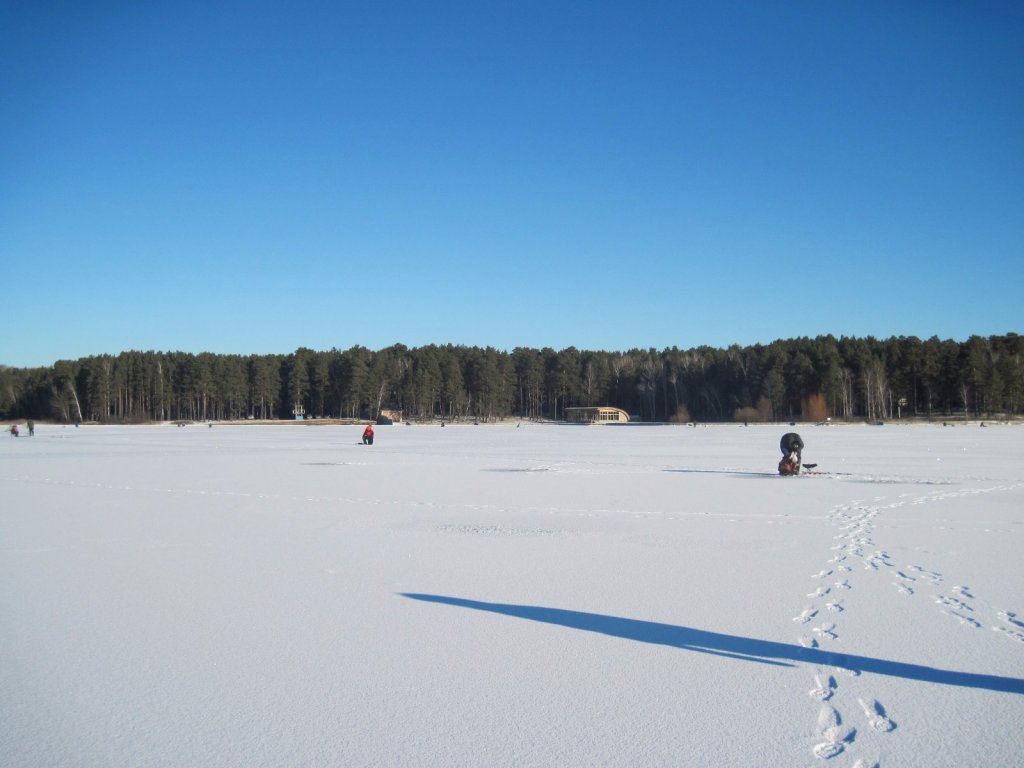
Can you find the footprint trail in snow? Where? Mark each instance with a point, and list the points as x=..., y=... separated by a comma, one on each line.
x=854, y=546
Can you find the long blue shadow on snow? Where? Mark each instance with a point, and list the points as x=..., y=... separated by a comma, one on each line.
x=731, y=646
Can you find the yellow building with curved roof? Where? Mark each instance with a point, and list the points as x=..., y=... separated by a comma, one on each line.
x=602, y=414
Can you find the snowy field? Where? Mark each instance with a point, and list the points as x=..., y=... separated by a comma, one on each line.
x=501, y=596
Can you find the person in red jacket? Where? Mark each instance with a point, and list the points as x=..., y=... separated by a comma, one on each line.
x=368, y=435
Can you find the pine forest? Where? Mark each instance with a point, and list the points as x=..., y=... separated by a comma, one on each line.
x=803, y=378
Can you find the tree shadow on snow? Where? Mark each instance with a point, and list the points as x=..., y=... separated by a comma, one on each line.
x=731, y=646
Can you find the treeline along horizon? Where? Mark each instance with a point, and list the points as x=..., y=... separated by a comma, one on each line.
x=823, y=377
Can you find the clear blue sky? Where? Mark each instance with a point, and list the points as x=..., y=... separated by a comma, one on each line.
x=252, y=177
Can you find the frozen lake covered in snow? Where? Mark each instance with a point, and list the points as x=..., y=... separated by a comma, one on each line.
x=543, y=595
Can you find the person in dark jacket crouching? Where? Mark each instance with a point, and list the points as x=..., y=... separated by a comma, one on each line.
x=792, y=447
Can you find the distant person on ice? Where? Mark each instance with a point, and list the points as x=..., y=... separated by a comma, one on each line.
x=791, y=446
x=368, y=435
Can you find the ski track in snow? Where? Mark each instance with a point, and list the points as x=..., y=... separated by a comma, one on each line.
x=856, y=552
x=495, y=530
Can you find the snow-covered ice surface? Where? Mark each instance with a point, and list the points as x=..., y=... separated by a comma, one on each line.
x=499, y=596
